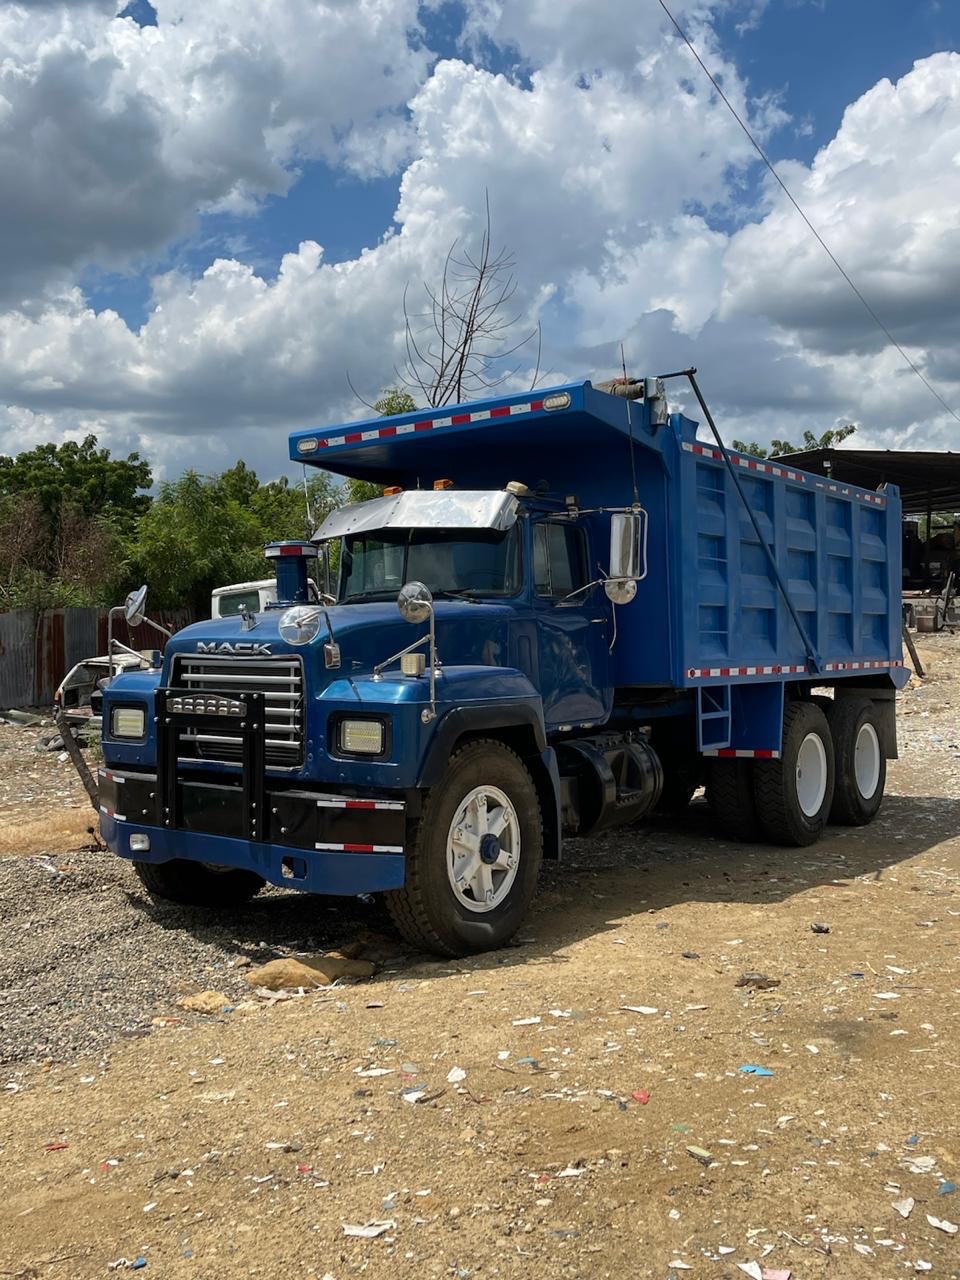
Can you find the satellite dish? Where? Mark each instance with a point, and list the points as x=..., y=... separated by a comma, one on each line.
x=415, y=602
x=135, y=606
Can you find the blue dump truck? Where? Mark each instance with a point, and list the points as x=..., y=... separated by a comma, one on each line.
x=566, y=612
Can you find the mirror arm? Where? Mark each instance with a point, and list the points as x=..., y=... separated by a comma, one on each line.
x=381, y=666
x=157, y=627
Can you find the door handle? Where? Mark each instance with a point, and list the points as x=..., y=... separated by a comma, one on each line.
x=599, y=621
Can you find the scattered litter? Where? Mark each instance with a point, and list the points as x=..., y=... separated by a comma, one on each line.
x=811, y=1048
x=414, y=1093
x=125, y=1264
x=369, y=1072
x=905, y=1206
x=942, y=1224
x=678, y=1265
x=913, y=1140
x=641, y=1095
x=526, y=1022
x=688, y=955
x=922, y=1265
x=575, y=1171
x=455, y=1075
x=560, y=1013
x=776, y=1273
x=886, y=995
x=759, y=981
x=368, y=1230
x=920, y=1164
x=752, y=1269
x=700, y=1154
x=819, y=927
x=56, y=1146
x=751, y=1069
x=638, y=1008
x=946, y=1188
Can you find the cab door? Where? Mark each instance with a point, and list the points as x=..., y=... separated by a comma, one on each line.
x=573, y=630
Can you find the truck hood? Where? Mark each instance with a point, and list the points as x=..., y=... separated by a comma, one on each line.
x=468, y=633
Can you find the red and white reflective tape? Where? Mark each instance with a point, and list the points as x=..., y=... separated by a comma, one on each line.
x=429, y=424
x=704, y=673
x=785, y=473
x=344, y=802
x=112, y=813
x=871, y=665
x=728, y=753
x=361, y=848
x=111, y=777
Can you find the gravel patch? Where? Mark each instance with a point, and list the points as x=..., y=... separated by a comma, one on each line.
x=90, y=958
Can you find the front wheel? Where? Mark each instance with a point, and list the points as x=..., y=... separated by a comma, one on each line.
x=473, y=858
x=193, y=884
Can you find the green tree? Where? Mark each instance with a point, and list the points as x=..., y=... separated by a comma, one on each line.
x=394, y=400
x=82, y=476
x=65, y=512
x=810, y=441
x=203, y=532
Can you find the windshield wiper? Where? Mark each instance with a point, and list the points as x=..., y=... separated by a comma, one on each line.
x=446, y=594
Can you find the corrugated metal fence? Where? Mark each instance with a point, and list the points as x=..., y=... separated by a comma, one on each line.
x=38, y=649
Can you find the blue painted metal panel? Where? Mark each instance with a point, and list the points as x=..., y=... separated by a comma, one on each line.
x=325, y=872
x=837, y=549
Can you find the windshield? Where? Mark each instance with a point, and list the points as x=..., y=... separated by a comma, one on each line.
x=458, y=562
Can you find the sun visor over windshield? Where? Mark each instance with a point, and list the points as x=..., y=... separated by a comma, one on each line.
x=424, y=509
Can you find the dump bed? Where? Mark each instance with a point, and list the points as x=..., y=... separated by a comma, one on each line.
x=711, y=607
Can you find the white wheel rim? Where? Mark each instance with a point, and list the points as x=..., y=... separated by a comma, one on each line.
x=866, y=761
x=811, y=774
x=483, y=849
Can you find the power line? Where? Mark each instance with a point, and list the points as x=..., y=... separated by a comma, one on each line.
x=786, y=191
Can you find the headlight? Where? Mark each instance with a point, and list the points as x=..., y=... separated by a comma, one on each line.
x=301, y=624
x=127, y=722
x=361, y=737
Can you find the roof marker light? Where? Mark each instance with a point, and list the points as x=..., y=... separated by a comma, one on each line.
x=517, y=488
x=559, y=401
x=443, y=484
x=307, y=446
x=392, y=490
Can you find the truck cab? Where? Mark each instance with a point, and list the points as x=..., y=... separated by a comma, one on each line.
x=558, y=618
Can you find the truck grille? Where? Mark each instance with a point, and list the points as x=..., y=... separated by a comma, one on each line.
x=281, y=682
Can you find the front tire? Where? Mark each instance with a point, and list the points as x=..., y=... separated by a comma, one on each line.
x=193, y=885
x=794, y=794
x=473, y=858
x=861, y=761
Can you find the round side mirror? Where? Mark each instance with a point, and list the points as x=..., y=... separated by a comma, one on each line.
x=135, y=606
x=620, y=590
x=415, y=602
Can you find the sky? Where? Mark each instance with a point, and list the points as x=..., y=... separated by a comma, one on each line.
x=210, y=212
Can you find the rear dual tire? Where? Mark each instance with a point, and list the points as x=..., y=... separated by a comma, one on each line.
x=794, y=794
x=832, y=768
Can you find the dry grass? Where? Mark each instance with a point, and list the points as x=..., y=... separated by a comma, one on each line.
x=58, y=831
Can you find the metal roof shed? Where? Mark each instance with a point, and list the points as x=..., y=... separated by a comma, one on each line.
x=928, y=479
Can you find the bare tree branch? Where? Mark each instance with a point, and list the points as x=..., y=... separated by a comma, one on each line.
x=454, y=348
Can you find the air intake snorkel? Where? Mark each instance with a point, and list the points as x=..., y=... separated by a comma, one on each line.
x=291, y=569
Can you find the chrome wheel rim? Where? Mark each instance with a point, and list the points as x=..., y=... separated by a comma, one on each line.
x=866, y=761
x=483, y=849
x=811, y=775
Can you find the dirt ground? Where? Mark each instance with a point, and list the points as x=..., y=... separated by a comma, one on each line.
x=243, y=1143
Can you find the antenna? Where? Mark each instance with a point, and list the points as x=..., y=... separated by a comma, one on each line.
x=633, y=458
